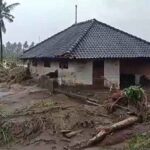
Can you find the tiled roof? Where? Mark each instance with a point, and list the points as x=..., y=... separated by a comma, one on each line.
x=91, y=39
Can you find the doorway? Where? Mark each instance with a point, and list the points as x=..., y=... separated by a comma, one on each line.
x=98, y=74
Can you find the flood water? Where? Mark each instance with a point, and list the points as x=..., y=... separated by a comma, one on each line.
x=2, y=94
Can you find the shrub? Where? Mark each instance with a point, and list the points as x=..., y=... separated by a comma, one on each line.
x=135, y=94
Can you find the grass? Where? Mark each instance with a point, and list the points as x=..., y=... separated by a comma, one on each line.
x=43, y=104
x=5, y=136
x=140, y=142
x=4, y=114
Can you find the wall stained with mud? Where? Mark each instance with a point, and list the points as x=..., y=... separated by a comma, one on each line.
x=112, y=73
x=78, y=73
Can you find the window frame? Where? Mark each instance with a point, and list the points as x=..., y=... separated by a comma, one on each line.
x=34, y=63
x=63, y=65
x=47, y=64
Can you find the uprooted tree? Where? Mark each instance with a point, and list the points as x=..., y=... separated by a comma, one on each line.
x=134, y=96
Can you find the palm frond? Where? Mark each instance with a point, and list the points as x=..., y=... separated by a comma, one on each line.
x=12, y=6
x=8, y=17
x=3, y=6
x=5, y=11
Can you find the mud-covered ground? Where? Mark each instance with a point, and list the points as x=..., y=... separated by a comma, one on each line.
x=36, y=119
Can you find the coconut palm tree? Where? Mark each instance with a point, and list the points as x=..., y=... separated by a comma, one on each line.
x=5, y=13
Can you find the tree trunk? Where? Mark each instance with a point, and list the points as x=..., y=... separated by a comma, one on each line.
x=117, y=126
x=106, y=131
x=1, y=42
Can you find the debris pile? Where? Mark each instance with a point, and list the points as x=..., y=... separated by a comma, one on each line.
x=18, y=74
x=3, y=74
x=132, y=97
x=70, y=124
x=66, y=121
x=11, y=65
x=11, y=73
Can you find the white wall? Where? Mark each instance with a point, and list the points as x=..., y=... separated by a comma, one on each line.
x=112, y=73
x=77, y=72
x=41, y=70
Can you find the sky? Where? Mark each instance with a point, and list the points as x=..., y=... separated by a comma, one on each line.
x=36, y=20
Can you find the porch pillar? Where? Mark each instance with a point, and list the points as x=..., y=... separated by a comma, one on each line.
x=112, y=73
x=137, y=79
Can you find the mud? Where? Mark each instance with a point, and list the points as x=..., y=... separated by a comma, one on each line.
x=35, y=119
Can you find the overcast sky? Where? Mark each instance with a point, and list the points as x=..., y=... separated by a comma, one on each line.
x=39, y=19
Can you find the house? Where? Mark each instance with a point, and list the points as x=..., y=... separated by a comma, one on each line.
x=91, y=53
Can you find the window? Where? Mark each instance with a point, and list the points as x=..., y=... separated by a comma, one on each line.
x=34, y=63
x=63, y=65
x=47, y=63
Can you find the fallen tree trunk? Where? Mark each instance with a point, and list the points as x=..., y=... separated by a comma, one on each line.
x=103, y=132
x=125, y=123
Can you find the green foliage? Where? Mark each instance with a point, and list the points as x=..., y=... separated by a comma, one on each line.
x=12, y=51
x=140, y=142
x=135, y=94
x=5, y=136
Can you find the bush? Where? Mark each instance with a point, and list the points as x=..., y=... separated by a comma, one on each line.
x=135, y=94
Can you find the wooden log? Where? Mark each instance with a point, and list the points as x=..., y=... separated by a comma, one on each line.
x=73, y=133
x=125, y=123
x=65, y=131
x=99, y=137
x=117, y=126
x=106, y=131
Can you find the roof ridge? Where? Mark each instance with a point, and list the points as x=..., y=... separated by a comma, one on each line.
x=57, y=34
x=82, y=36
x=49, y=38
x=124, y=32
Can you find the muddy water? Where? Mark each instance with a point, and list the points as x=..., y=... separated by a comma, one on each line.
x=2, y=94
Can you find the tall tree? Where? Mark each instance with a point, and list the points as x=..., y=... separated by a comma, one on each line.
x=32, y=45
x=20, y=47
x=25, y=45
x=5, y=13
x=19, y=50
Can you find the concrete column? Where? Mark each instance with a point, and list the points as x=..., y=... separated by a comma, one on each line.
x=137, y=79
x=112, y=73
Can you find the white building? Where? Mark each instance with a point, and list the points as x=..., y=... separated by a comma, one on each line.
x=91, y=53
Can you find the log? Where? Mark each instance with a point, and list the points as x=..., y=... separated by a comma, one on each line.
x=73, y=133
x=117, y=126
x=65, y=131
x=125, y=123
x=99, y=137
x=105, y=131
